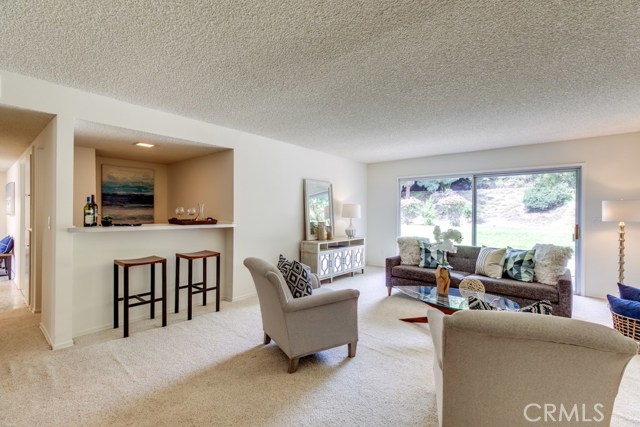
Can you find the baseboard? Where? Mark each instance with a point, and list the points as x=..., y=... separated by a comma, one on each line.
x=50, y=341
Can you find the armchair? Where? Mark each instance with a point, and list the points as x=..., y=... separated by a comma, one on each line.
x=516, y=369
x=305, y=325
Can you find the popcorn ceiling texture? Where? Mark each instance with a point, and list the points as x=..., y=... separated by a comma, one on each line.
x=372, y=81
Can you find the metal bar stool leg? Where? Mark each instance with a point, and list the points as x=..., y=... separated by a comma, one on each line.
x=116, y=296
x=204, y=281
x=152, y=296
x=177, y=290
x=164, y=294
x=218, y=283
x=190, y=285
x=126, y=302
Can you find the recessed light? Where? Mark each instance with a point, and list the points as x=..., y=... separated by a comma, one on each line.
x=144, y=144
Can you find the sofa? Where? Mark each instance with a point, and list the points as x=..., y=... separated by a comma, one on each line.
x=463, y=262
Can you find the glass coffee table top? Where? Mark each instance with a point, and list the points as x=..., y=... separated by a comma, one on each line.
x=454, y=301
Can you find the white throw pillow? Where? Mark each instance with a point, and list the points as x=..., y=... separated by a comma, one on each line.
x=410, y=249
x=490, y=262
x=551, y=261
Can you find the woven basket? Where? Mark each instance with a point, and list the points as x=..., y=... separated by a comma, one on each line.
x=627, y=326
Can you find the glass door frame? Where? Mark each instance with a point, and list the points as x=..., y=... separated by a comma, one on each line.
x=578, y=286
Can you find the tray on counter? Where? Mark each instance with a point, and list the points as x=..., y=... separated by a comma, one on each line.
x=192, y=221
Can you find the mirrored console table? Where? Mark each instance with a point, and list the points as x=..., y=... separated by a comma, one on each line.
x=330, y=258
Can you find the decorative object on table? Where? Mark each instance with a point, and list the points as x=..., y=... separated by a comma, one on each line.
x=179, y=211
x=329, y=233
x=322, y=232
x=200, y=212
x=351, y=211
x=192, y=213
x=178, y=221
x=621, y=211
x=443, y=279
x=318, y=206
x=128, y=194
x=471, y=287
x=444, y=240
x=106, y=221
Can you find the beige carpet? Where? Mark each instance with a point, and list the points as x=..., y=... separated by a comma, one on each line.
x=213, y=370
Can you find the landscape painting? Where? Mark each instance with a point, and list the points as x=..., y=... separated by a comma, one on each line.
x=127, y=194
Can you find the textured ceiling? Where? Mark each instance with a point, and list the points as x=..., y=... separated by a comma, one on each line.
x=368, y=80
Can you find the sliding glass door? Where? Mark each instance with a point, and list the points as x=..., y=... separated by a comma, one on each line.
x=517, y=209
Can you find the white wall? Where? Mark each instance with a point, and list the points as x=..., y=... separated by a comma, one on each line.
x=610, y=171
x=84, y=181
x=3, y=206
x=267, y=182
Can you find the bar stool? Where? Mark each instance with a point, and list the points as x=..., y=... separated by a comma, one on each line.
x=199, y=287
x=126, y=264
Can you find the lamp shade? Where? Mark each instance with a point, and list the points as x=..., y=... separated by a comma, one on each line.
x=621, y=210
x=350, y=210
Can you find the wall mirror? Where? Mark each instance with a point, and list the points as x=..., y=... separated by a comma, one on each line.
x=318, y=206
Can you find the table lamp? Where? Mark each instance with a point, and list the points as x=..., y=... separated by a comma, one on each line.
x=621, y=211
x=350, y=210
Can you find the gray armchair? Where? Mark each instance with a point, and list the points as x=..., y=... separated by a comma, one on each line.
x=305, y=325
x=517, y=369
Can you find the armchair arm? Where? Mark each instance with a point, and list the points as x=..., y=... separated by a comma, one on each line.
x=313, y=301
x=389, y=264
x=436, y=326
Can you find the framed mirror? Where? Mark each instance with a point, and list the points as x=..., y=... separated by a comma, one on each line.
x=318, y=206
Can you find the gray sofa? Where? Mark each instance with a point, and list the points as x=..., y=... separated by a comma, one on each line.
x=464, y=264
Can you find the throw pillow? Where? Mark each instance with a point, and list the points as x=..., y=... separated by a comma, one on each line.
x=410, y=249
x=297, y=278
x=6, y=245
x=540, y=307
x=624, y=307
x=430, y=257
x=283, y=264
x=520, y=264
x=629, y=292
x=478, y=304
x=550, y=262
x=491, y=262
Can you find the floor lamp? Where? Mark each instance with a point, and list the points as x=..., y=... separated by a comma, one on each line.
x=621, y=211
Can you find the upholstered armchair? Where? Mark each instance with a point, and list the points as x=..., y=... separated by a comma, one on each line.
x=519, y=369
x=306, y=325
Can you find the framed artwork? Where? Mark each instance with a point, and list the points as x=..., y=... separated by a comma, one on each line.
x=127, y=194
x=10, y=190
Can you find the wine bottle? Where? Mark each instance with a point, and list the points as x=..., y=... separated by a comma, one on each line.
x=88, y=213
x=94, y=206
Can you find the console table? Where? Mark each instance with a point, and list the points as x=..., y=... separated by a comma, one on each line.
x=330, y=258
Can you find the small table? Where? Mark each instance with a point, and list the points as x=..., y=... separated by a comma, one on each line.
x=451, y=303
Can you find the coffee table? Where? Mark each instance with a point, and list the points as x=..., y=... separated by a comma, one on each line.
x=453, y=302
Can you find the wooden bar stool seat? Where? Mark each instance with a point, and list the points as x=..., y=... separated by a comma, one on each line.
x=198, y=287
x=140, y=297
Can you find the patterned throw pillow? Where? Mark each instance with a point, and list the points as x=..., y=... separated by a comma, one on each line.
x=520, y=264
x=540, y=307
x=430, y=258
x=491, y=262
x=297, y=277
x=478, y=304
